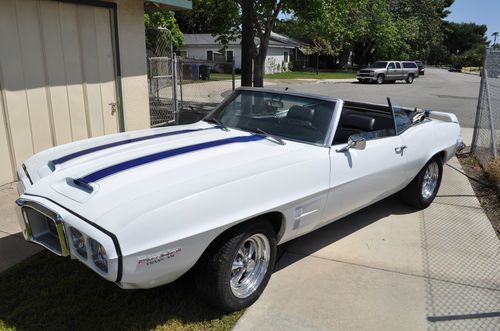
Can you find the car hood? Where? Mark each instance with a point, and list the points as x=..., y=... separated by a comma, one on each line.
x=122, y=179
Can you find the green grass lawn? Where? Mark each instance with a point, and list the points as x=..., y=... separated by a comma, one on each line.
x=214, y=76
x=219, y=76
x=46, y=292
x=312, y=75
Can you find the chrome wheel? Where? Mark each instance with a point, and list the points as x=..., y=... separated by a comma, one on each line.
x=431, y=178
x=250, y=265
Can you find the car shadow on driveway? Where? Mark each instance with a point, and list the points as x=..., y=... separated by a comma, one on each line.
x=344, y=227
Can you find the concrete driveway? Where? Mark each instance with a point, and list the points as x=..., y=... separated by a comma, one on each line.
x=389, y=267
x=13, y=247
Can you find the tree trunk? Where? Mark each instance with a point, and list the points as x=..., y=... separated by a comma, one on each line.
x=317, y=63
x=259, y=68
x=344, y=58
x=259, y=65
x=247, y=42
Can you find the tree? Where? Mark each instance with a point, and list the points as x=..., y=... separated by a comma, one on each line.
x=464, y=44
x=373, y=29
x=495, y=35
x=426, y=28
x=319, y=46
x=247, y=42
x=163, y=19
x=250, y=20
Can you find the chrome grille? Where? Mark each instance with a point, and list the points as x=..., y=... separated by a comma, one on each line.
x=45, y=228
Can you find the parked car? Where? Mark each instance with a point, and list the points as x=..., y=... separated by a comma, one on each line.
x=421, y=67
x=389, y=71
x=455, y=68
x=142, y=208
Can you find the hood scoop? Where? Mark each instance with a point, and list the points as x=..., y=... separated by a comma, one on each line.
x=74, y=190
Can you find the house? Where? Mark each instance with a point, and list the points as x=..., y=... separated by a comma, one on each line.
x=69, y=70
x=204, y=46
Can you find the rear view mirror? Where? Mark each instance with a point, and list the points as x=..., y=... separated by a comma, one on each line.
x=355, y=142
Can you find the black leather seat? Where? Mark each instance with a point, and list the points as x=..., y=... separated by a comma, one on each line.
x=300, y=115
x=353, y=124
x=299, y=121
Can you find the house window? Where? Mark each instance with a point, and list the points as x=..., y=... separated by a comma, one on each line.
x=210, y=55
x=286, y=57
x=183, y=54
x=229, y=56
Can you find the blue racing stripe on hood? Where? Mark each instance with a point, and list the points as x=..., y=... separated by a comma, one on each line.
x=111, y=170
x=122, y=142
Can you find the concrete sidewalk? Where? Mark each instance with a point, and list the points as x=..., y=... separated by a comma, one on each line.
x=13, y=247
x=388, y=267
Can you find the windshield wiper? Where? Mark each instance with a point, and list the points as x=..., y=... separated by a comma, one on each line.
x=275, y=139
x=216, y=121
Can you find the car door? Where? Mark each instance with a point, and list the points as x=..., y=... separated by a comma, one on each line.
x=399, y=71
x=392, y=72
x=361, y=177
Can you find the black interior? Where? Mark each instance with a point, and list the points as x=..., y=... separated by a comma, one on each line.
x=310, y=123
x=370, y=121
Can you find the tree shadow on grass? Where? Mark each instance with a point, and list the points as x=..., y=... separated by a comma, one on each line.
x=49, y=292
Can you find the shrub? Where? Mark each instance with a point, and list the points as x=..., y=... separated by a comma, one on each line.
x=493, y=169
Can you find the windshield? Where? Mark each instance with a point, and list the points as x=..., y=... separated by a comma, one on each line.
x=291, y=117
x=379, y=64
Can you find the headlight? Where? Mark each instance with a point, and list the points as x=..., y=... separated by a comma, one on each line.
x=372, y=73
x=78, y=241
x=99, y=255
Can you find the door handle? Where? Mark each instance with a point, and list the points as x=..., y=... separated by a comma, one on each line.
x=400, y=149
x=114, y=106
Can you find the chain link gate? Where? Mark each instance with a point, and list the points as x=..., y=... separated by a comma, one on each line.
x=163, y=78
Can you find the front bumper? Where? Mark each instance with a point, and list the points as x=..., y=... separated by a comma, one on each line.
x=366, y=78
x=47, y=224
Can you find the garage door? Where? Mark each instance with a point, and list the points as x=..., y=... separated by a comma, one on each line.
x=57, y=77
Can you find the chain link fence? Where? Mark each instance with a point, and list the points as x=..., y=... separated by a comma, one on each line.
x=163, y=78
x=204, y=84
x=486, y=138
x=183, y=90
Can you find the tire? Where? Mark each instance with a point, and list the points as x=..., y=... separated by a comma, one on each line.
x=409, y=79
x=423, y=188
x=380, y=79
x=217, y=281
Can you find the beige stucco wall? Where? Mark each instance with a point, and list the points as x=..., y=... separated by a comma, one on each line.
x=133, y=64
x=57, y=75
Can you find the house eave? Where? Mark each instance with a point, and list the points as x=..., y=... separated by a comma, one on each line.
x=175, y=5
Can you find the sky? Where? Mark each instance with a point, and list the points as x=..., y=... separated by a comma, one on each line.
x=477, y=11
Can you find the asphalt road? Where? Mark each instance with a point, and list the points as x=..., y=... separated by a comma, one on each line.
x=438, y=90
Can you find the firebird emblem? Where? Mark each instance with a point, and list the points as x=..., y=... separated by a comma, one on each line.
x=149, y=260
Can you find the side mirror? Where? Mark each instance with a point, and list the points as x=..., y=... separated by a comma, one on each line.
x=354, y=141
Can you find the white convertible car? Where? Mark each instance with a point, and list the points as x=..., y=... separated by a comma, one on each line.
x=142, y=208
